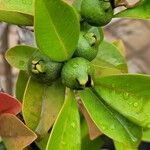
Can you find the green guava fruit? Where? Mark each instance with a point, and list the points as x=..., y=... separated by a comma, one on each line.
x=77, y=73
x=97, y=12
x=43, y=69
x=87, y=46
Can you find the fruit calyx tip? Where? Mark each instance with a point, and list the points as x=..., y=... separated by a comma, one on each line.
x=37, y=66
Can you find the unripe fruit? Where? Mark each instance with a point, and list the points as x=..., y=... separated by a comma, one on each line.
x=97, y=12
x=41, y=68
x=77, y=73
x=87, y=46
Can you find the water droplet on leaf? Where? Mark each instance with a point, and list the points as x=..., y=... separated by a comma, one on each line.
x=126, y=96
x=112, y=127
x=135, y=104
x=103, y=127
x=73, y=124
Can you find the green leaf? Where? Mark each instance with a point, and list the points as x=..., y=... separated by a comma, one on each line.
x=14, y=133
x=146, y=135
x=120, y=146
x=53, y=99
x=128, y=94
x=21, y=84
x=109, y=59
x=93, y=130
x=16, y=18
x=77, y=5
x=17, y=12
x=87, y=143
x=142, y=11
x=24, y=7
x=65, y=134
x=32, y=103
x=110, y=122
x=58, y=22
x=18, y=56
x=41, y=105
x=121, y=47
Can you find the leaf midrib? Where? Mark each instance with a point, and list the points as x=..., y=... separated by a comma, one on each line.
x=57, y=34
x=113, y=116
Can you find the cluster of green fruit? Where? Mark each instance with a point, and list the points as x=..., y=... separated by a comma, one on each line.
x=77, y=72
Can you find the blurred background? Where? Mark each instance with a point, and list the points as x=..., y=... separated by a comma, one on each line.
x=135, y=35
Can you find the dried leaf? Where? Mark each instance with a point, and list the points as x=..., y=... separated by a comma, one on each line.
x=14, y=133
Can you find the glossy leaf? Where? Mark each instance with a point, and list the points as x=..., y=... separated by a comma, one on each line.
x=77, y=5
x=94, y=131
x=16, y=18
x=110, y=122
x=105, y=71
x=120, y=46
x=18, y=56
x=53, y=99
x=60, y=28
x=24, y=7
x=120, y=146
x=66, y=131
x=32, y=103
x=17, y=12
x=128, y=94
x=87, y=143
x=142, y=11
x=109, y=59
x=9, y=104
x=14, y=133
x=21, y=84
x=41, y=105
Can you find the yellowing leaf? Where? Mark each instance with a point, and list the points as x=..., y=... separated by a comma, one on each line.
x=109, y=60
x=24, y=7
x=53, y=99
x=21, y=84
x=141, y=11
x=16, y=18
x=41, y=104
x=120, y=46
x=18, y=56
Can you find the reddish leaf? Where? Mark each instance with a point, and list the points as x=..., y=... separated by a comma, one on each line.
x=9, y=104
x=14, y=133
